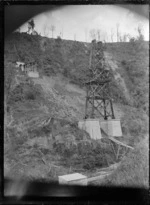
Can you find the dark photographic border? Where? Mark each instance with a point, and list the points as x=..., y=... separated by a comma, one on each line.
x=83, y=195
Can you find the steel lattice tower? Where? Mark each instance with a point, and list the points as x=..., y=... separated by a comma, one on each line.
x=98, y=98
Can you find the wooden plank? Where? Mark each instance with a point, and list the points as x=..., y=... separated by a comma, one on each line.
x=113, y=149
x=96, y=82
x=111, y=167
x=101, y=176
x=97, y=97
x=118, y=151
x=118, y=142
x=103, y=172
x=86, y=104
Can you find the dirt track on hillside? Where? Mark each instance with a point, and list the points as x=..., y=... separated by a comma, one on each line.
x=112, y=64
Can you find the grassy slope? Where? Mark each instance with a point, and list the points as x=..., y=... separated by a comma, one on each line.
x=130, y=65
x=59, y=97
x=133, y=62
x=133, y=171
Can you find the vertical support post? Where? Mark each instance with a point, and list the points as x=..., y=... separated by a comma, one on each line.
x=98, y=87
x=86, y=104
x=90, y=63
x=118, y=152
x=92, y=105
x=105, y=115
x=113, y=149
x=112, y=110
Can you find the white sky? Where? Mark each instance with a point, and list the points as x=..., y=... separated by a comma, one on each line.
x=75, y=21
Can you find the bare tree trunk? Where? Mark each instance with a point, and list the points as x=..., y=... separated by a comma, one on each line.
x=112, y=35
x=117, y=32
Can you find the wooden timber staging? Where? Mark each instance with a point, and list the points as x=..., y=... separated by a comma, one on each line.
x=99, y=102
x=120, y=143
x=119, y=148
x=98, y=98
x=109, y=170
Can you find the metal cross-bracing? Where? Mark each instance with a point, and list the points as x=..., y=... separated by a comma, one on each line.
x=98, y=98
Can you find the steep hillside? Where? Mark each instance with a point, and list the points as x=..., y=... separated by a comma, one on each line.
x=41, y=115
x=132, y=66
x=52, y=56
x=129, y=62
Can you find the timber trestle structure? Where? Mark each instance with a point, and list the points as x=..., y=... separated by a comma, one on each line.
x=98, y=98
x=119, y=148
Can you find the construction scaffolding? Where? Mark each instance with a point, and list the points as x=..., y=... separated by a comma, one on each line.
x=98, y=97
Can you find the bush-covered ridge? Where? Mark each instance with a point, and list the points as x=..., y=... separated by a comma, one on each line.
x=71, y=59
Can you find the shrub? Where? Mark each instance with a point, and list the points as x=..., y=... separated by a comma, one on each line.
x=17, y=94
x=30, y=96
x=117, y=94
x=135, y=123
x=132, y=40
x=89, y=163
x=136, y=79
x=123, y=62
x=16, y=139
x=58, y=39
x=67, y=153
x=10, y=82
x=23, y=92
